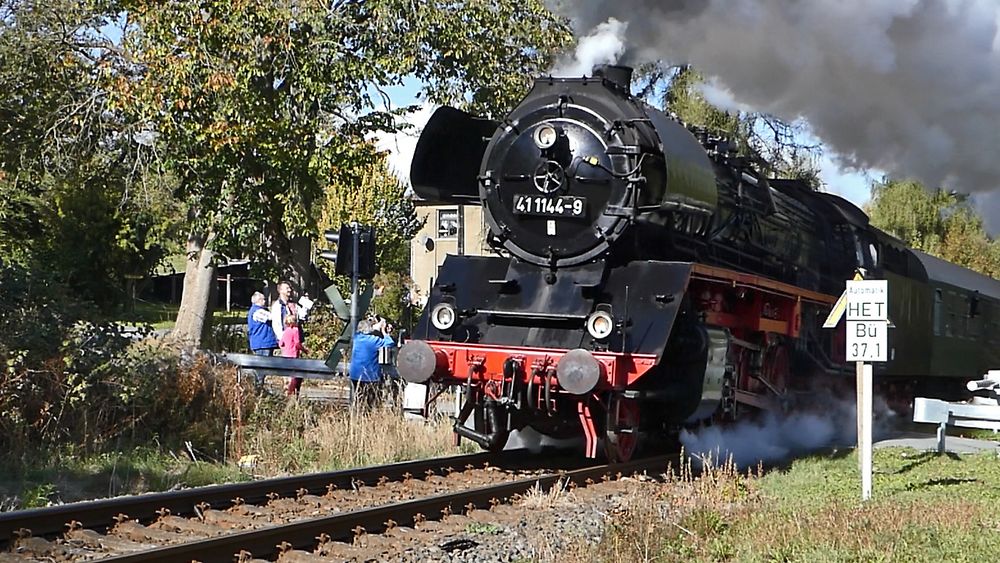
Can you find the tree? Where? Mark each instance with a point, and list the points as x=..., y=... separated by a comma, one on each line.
x=911, y=212
x=69, y=202
x=938, y=222
x=257, y=105
x=966, y=243
x=372, y=195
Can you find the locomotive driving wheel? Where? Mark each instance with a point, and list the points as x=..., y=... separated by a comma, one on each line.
x=622, y=434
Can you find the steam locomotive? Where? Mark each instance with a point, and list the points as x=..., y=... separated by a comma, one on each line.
x=646, y=276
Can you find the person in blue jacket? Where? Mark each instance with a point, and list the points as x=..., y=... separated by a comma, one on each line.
x=365, y=372
x=259, y=331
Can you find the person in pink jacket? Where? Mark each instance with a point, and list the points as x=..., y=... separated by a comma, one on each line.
x=291, y=346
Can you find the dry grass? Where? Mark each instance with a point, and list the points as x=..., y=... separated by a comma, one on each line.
x=556, y=497
x=672, y=520
x=287, y=436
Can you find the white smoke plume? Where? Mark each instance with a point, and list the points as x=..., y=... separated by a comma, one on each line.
x=604, y=45
x=777, y=437
x=905, y=86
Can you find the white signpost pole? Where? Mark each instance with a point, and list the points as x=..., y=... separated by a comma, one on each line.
x=867, y=331
x=865, y=428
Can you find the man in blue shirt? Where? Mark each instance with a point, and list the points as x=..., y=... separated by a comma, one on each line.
x=259, y=332
x=365, y=372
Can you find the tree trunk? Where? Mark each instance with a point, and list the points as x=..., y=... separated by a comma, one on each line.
x=299, y=263
x=194, y=318
x=294, y=258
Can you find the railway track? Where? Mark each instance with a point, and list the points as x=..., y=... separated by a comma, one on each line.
x=295, y=516
x=102, y=513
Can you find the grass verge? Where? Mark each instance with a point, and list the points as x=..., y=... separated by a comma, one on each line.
x=926, y=507
x=287, y=436
x=163, y=315
x=68, y=478
x=282, y=436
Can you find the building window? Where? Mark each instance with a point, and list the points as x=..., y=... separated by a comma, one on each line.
x=447, y=223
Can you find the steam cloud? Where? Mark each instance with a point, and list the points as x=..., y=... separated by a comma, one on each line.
x=906, y=86
x=779, y=437
x=604, y=45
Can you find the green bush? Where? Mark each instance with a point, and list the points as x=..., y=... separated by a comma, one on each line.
x=69, y=382
x=226, y=337
x=322, y=330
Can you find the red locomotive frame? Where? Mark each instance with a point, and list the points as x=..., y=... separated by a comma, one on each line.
x=763, y=317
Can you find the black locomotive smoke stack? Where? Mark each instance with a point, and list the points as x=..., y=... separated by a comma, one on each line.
x=619, y=75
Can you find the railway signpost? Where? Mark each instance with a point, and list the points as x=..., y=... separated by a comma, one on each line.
x=867, y=320
x=866, y=303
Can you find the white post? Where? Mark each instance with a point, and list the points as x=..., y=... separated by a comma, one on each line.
x=864, y=384
x=229, y=292
x=355, y=250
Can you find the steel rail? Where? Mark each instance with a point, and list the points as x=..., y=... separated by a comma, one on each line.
x=102, y=513
x=305, y=534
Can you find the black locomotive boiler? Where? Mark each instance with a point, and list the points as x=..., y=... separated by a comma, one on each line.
x=646, y=276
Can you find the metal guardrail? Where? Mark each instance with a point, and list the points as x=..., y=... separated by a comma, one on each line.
x=276, y=365
x=983, y=412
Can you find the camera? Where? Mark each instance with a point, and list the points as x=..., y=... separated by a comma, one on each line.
x=376, y=319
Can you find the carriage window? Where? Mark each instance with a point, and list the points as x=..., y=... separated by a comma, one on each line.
x=938, y=313
x=951, y=325
x=447, y=223
x=974, y=305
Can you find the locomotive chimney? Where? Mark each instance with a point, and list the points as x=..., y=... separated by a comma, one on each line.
x=619, y=75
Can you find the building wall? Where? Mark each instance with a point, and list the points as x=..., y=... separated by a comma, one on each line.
x=439, y=237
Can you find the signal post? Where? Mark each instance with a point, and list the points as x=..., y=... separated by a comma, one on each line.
x=866, y=303
x=867, y=341
x=355, y=257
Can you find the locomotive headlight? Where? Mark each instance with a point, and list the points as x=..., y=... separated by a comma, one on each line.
x=600, y=324
x=545, y=136
x=443, y=316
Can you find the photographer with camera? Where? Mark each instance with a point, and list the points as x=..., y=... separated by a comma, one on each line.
x=365, y=371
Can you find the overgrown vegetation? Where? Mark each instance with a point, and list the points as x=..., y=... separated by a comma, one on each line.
x=927, y=507
x=135, y=129
x=70, y=477
x=295, y=436
x=241, y=435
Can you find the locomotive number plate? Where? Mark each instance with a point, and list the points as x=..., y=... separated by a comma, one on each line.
x=562, y=206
